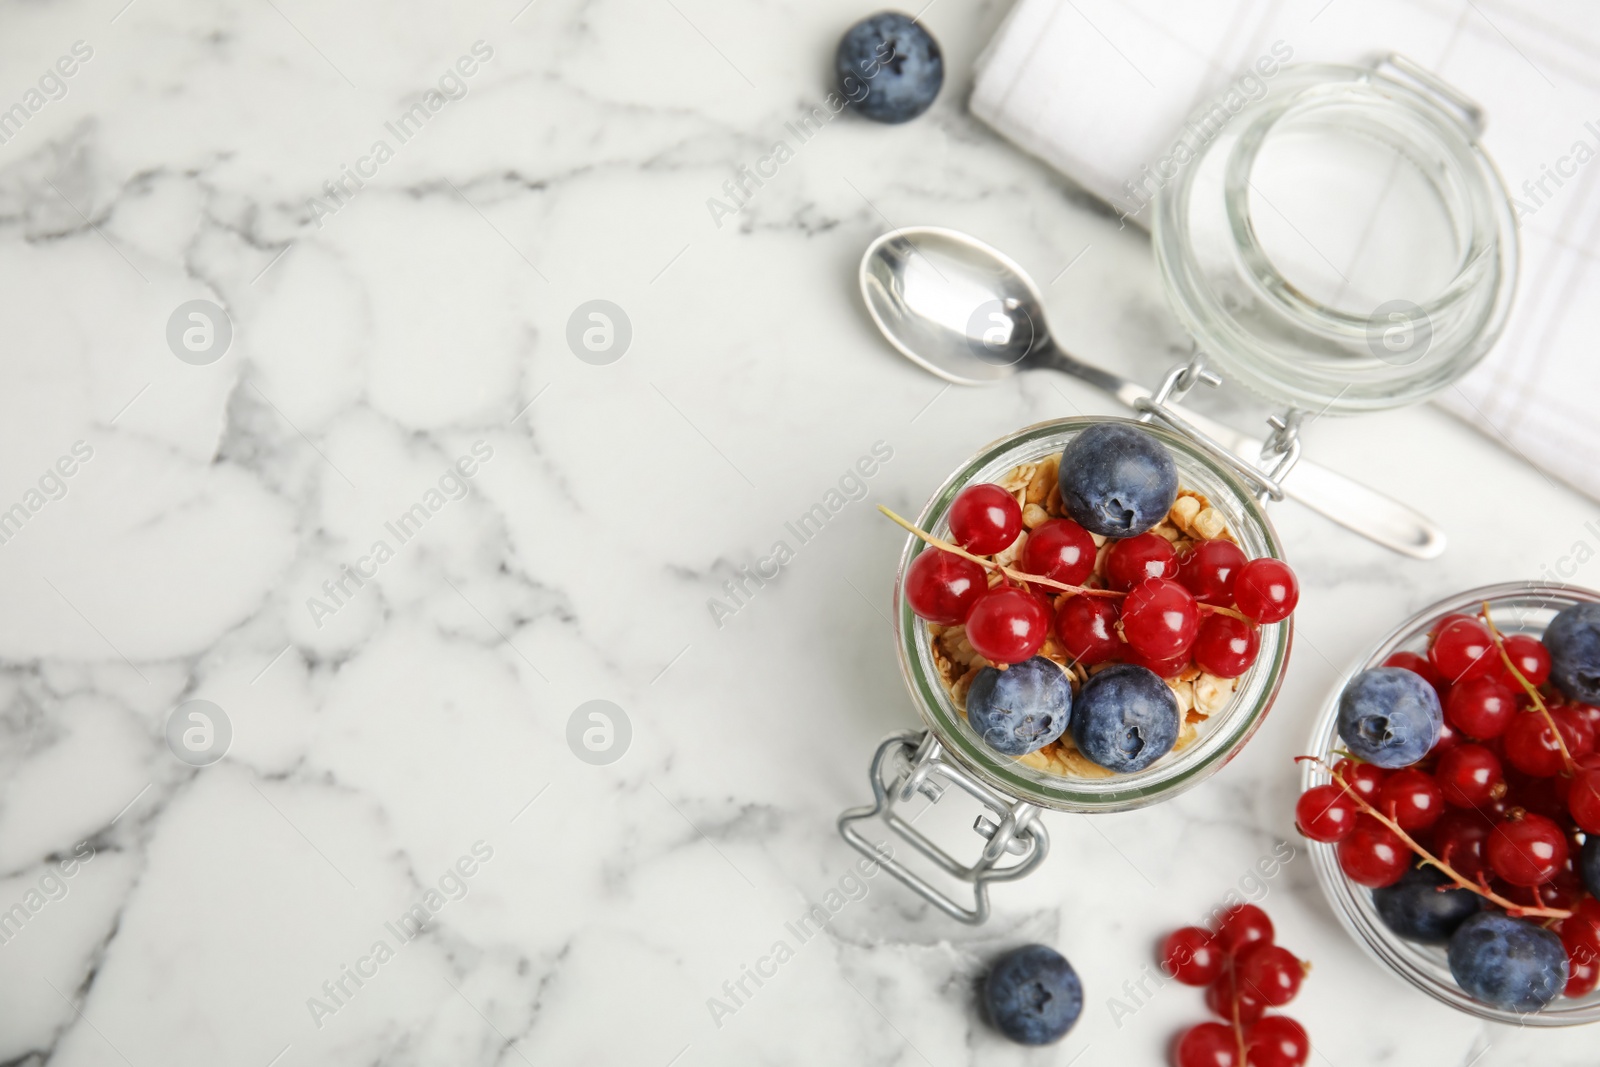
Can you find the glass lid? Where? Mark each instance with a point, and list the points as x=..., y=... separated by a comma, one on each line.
x=1340, y=243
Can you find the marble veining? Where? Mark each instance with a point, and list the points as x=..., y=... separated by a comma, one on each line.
x=230, y=912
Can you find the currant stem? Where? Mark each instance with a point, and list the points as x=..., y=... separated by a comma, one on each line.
x=991, y=565
x=1481, y=888
x=1532, y=690
x=1023, y=576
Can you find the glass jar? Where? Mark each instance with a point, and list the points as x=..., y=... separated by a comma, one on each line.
x=950, y=752
x=1343, y=243
x=1516, y=608
x=1220, y=736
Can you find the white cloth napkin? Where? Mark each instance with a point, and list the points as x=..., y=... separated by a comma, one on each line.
x=1100, y=88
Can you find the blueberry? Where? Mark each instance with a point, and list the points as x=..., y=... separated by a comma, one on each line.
x=1589, y=864
x=1125, y=718
x=1508, y=963
x=1418, y=910
x=1117, y=480
x=1033, y=995
x=1573, y=640
x=1022, y=708
x=890, y=68
x=1389, y=716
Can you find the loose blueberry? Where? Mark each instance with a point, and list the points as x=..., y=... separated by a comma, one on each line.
x=1589, y=864
x=1117, y=480
x=890, y=69
x=1022, y=708
x=1507, y=963
x=1417, y=908
x=1389, y=716
x=1125, y=718
x=1573, y=640
x=1033, y=995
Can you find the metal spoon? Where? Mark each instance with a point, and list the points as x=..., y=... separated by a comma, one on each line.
x=959, y=308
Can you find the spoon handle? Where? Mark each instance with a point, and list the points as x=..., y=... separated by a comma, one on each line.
x=1347, y=502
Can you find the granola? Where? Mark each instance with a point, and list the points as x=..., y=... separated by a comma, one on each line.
x=1036, y=488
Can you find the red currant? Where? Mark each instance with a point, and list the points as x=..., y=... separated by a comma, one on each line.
x=1087, y=627
x=1481, y=708
x=1564, y=784
x=1271, y=973
x=1449, y=737
x=1160, y=619
x=1583, y=957
x=1007, y=624
x=1460, y=838
x=1277, y=1041
x=1061, y=550
x=1539, y=795
x=1325, y=813
x=1584, y=922
x=1209, y=569
x=1207, y=1045
x=1576, y=730
x=1192, y=955
x=1365, y=778
x=1531, y=747
x=1412, y=799
x=985, y=519
x=1527, y=850
x=1220, y=999
x=1583, y=800
x=1562, y=891
x=1161, y=668
x=1529, y=656
x=1463, y=649
x=1243, y=924
x=1266, y=590
x=1588, y=714
x=1372, y=855
x=1469, y=776
x=1416, y=664
x=1226, y=646
x=1133, y=559
x=1587, y=911
x=1497, y=808
x=942, y=587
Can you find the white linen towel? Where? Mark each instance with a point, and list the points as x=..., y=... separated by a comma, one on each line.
x=1100, y=88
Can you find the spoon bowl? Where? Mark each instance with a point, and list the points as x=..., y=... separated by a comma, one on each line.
x=952, y=305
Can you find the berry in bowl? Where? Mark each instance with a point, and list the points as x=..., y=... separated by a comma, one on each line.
x=1092, y=614
x=1454, y=803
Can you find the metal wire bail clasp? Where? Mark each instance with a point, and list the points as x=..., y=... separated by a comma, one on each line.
x=1279, y=454
x=1012, y=827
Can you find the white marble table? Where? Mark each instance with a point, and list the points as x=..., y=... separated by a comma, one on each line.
x=402, y=742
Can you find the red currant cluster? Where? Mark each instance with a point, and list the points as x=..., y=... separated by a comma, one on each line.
x=1202, y=607
x=1498, y=804
x=1244, y=974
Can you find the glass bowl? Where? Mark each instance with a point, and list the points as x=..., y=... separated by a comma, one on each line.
x=1220, y=736
x=1516, y=608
